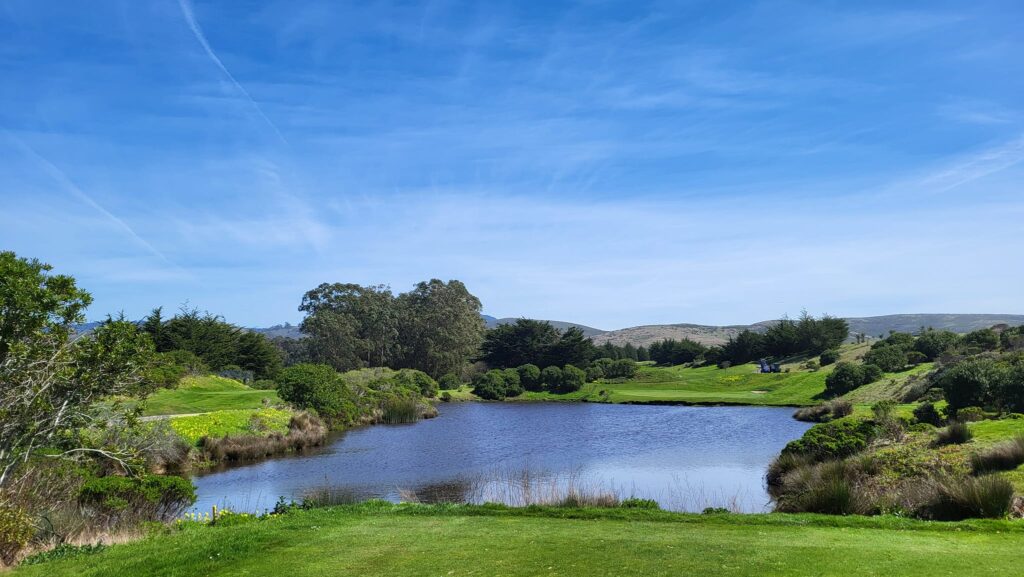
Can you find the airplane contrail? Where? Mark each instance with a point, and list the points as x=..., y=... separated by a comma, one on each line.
x=58, y=175
x=190, y=18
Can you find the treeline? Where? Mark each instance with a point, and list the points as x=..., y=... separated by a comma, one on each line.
x=786, y=338
x=435, y=328
x=983, y=368
x=196, y=342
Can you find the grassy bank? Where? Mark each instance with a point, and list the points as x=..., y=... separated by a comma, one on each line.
x=380, y=539
x=205, y=394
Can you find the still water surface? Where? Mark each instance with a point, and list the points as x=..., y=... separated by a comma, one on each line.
x=686, y=458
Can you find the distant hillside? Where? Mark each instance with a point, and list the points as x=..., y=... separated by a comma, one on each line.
x=560, y=325
x=716, y=335
x=287, y=330
x=871, y=326
x=874, y=326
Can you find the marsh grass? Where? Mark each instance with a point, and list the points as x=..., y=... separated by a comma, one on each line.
x=400, y=411
x=987, y=496
x=956, y=433
x=304, y=430
x=1005, y=456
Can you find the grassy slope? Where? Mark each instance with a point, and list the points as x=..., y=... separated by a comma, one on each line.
x=205, y=394
x=401, y=541
x=232, y=422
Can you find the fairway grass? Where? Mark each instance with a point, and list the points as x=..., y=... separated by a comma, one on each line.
x=413, y=540
x=740, y=385
x=206, y=394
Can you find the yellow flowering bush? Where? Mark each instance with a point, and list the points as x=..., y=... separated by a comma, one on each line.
x=234, y=422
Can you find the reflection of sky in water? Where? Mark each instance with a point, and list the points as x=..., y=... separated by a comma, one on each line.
x=684, y=457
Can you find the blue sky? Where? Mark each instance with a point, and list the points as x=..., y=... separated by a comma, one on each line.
x=609, y=163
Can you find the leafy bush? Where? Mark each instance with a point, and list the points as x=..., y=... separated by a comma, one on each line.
x=16, y=530
x=446, y=397
x=889, y=358
x=594, y=373
x=529, y=377
x=970, y=414
x=972, y=383
x=637, y=503
x=829, y=357
x=551, y=377
x=988, y=496
x=927, y=413
x=418, y=381
x=490, y=385
x=123, y=501
x=573, y=379
x=833, y=440
x=844, y=378
x=957, y=433
x=449, y=382
x=320, y=388
x=620, y=369
x=933, y=344
x=513, y=384
x=1005, y=456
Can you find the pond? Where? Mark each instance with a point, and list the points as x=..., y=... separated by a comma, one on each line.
x=686, y=458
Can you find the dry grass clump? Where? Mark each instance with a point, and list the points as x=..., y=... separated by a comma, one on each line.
x=1005, y=456
x=304, y=430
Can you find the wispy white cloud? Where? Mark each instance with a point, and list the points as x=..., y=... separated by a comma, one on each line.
x=193, y=24
x=69, y=186
x=974, y=166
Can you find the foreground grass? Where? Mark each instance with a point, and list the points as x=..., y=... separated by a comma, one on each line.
x=406, y=540
x=205, y=394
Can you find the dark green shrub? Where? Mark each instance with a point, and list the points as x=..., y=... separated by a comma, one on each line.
x=984, y=339
x=927, y=413
x=890, y=359
x=833, y=440
x=829, y=357
x=417, y=381
x=620, y=369
x=318, y=387
x=934, y=343
x=449, y=382
x=121, y=501
x=972, y=383
x=871, y=373
x=572, y=379
x=490, y=385
x=551, y=377
x=1005, y=456
x=970, y=414
x=264, y=384
x=594, y=373
x=446, y=397
x=988, y=496
x=513, y=385
x=529, y=377
x=844, y=378
x=957, y=433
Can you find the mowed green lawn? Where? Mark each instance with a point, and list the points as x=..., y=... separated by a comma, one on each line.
x=205, y=394
x=741, y=385
x=398, y=541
